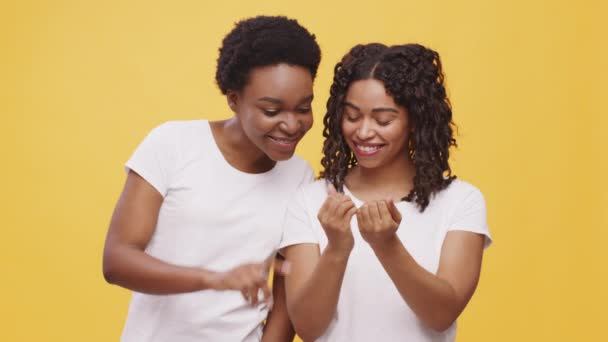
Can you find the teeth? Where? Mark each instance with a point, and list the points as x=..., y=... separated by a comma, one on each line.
x=368, y=148
x=282, y=140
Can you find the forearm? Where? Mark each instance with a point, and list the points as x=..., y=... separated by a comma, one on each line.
x=313, y=306
x=432, y=299
x=136, y=270
x=278, y=327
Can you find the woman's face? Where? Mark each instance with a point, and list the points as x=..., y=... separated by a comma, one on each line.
x=375, y=128
x=274, y=108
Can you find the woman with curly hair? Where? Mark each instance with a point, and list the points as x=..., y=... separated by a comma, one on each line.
x=388, y=244
x=199, y=220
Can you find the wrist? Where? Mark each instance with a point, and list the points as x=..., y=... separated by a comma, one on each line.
x=210, y=280
x=384, y=245
x=337, y=252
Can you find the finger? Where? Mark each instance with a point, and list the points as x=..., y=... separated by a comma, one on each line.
x=364, y=223
x=344, y=206
x=331, y=190
x=395, y=214
x=267, y=295
x=385, y=215
x=253, y=295
x=374, y=213
x=245, y=294
x=349, y=214
x=326, y=208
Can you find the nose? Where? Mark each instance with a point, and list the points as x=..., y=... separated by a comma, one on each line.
x=365, y=130
x=290, y=124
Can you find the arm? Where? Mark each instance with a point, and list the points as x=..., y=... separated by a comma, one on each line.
x=438, y=299
x=278, y=327
x=311, y=306
x=125, y=262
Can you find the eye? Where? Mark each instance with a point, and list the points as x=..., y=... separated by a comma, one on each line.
x=351, y=117
x=304, y=110
x=270, y=112
x=384, y=123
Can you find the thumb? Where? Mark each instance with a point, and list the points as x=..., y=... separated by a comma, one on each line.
x=392, y=208
x=331, y=190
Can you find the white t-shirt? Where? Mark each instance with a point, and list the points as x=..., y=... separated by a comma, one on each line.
x=369, y=307
x=212, y=216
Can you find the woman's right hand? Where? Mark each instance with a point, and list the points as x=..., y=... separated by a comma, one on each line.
x=249, y=279
x=335, y=216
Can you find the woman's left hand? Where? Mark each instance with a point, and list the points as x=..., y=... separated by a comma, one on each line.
x=378, y=222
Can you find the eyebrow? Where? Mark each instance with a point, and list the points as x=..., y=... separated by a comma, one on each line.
x=270, y=99
x=375, y=110
x=277, y=101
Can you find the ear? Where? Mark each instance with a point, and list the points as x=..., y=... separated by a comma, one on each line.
x=232, y=97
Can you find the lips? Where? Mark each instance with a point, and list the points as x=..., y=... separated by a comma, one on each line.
x=283, y=143
x=367, y=149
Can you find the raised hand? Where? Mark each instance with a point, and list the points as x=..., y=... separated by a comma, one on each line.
x=378, y=222
x=335, y=216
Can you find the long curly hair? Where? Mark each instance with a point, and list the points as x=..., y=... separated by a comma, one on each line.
x=413, y=76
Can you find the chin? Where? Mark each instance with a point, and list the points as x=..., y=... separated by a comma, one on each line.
x=280, y=156
x=369, y=164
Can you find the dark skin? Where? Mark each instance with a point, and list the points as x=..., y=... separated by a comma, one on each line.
x=377, y=130
x=272, y=113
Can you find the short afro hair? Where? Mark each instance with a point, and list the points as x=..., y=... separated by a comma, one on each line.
x=263, y=41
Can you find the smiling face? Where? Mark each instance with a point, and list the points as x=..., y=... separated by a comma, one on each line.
x=274, y=108
x=375, y=128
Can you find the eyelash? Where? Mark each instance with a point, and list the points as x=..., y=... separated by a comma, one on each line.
x=303, y=110
x=354, y=119
x=276, y=111
x=270, y=112
x=351, y=118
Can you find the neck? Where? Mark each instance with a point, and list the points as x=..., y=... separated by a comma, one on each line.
x=394, y=180
x=237, y=149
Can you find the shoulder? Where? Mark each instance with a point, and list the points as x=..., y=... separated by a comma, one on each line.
x=458, y=195
x=180, y=134
x=297, y=169
x=181, y=129
x=460, y=187
x=315, y=191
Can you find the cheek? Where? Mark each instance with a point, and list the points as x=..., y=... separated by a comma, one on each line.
x=307, y=122
x=348, y=128
x=397, y=135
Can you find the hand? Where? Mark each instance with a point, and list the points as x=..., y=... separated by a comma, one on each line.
x=378, y=222
x=250, y=279
x=335, y=216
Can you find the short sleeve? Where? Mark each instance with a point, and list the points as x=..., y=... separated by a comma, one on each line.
x=297, y=226
x=154, y=158
x=470, y=216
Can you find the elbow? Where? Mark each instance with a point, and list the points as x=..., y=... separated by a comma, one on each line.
x=441, y=326
x=306, y=329
x=109, y=275
x=307, y=336
x=309, y=331
x=109, y=268
x=441, y=323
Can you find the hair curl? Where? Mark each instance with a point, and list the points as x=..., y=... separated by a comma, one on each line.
x=262, y=41
x=413, y=76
